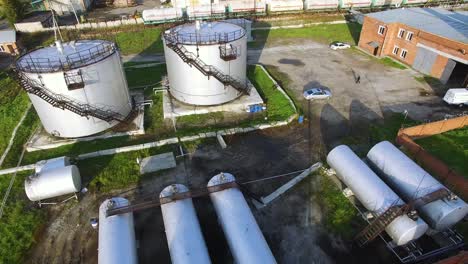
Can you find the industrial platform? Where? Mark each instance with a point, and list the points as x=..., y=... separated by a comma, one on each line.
x=173, y=108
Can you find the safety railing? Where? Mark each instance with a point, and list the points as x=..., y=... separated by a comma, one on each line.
x=204, y=39
x=81, y=58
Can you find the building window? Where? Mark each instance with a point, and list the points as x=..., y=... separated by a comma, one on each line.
x=395, y=50
x=409, y=36
x=403, y=53
x=381, y=30
x=401, y=32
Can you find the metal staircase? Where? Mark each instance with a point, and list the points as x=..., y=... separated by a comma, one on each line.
x=208, y=70
x=382, y=221
x=65, y=103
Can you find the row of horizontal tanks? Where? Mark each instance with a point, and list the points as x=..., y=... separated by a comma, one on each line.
x=184, y=237
x=79, y=88
x=406, y=181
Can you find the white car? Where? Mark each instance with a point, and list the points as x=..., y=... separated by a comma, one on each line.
x=457, y=96
x=317, y=93
x=339, y=45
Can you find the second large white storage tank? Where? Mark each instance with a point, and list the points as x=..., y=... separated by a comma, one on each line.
x=373, y=193
x=192, y=50
x=412, y=182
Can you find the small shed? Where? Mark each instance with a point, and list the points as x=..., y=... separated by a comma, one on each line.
x=8, y=42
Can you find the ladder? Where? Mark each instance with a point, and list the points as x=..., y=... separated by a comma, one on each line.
x=382, y=221
x=208, y=70
x=65, y=103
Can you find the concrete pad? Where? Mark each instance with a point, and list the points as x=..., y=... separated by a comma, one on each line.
x=157, y=163
x=221, y=141
x=173, y=108
x=42, y=140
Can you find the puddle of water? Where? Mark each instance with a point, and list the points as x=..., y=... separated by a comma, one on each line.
x=294, y=62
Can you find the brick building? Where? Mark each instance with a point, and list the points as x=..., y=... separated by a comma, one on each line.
x=433, y=41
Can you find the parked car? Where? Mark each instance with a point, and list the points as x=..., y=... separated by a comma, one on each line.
x=457, y=96
x=339, y=45
x=317, y=93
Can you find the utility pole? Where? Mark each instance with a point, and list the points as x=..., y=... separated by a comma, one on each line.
x=74, y=12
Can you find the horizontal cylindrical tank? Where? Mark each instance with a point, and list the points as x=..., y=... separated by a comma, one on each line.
x=411, y=182
x=44, y=165
x=116, y=234
x=52, y=183
x=373, y=193
x=183, y=233
x=87, y=75
x=221, y=47
x=244, y=237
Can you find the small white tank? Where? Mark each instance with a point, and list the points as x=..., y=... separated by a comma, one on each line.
x=116, y=235
x=412, y=182
x=373, y=193
x=183, y=233
x=52, y=183
x=44, y=165
x=244, y=237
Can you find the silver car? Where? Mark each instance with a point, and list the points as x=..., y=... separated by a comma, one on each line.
x=317, y=93
x=339, y=45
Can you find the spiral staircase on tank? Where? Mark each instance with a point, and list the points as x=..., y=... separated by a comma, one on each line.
x=65, y=103
x=382, y=221
x=208, y=70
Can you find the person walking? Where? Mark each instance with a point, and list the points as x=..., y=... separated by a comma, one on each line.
x=358, y=79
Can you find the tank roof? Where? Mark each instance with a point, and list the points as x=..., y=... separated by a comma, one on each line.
x=74, y=54
x=205, y=33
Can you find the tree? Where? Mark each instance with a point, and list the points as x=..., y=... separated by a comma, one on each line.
x=13, y=10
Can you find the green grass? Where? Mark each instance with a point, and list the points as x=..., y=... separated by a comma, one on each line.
x=285, y=82
x=146, y=41
x=118, y=171
x=278, y=106
x=324, y=33
x=450, y=147
x=13, y=104
x=19, y=223
x=296, y=19
x=392, y=63
x=340, y=216
x=145, y=76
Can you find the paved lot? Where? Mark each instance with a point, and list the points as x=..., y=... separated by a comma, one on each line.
x=382, y=89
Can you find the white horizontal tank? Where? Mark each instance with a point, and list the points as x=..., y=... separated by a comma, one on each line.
x=244, y=237
x=85, y=76
x=53, y=182
x=411, y=182
x=373, y=193
x=218, y=46
x=116, y=234
x=183, y=233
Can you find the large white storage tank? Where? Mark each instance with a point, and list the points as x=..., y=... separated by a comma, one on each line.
x=183, y=232
x=77, y=88
x=373, y=193
x=192, y=50
x=244, y=237
x=412, y=182
x=53, y=182
x=116, y=234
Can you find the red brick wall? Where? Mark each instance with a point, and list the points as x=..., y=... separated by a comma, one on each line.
x=390, y=39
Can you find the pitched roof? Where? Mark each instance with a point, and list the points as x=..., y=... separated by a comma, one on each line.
x=438, y=21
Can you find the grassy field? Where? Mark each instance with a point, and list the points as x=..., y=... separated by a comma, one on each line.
x=324, y=33
x=340, y=216
x=283, y=20
x=13, y=104
x=146, y=41
x=137, y=77
x=391, y=63
x=19, y=223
